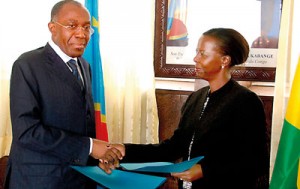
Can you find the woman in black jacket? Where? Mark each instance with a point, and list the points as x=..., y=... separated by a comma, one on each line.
x=224, y=122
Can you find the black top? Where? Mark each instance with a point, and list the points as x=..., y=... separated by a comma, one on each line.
x=231, y=135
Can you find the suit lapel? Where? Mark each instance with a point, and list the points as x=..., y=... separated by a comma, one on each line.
x=62, y=71
x=86, y=73
x=83, y=70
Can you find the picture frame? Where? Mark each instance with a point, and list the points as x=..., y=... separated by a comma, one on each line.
x=170, y=70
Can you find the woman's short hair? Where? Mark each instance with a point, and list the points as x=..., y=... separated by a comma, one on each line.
x=231, y=43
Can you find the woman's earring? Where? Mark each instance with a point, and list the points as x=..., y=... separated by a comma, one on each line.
x=223, y=66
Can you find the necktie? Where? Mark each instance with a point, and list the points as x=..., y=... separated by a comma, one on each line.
x=72, y=63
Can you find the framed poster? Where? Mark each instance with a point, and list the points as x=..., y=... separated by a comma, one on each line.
x=180, y=23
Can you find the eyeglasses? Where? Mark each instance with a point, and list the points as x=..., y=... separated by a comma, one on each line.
x=73, y=27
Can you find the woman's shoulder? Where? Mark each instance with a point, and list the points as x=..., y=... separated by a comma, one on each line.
x=242, y=90
x=245, y=96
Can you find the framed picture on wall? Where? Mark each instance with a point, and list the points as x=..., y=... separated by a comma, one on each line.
x=180, y=23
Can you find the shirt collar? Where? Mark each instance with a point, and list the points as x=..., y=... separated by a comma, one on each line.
x=60, y=53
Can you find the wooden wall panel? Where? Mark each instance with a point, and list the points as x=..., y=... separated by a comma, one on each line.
x=169, y=103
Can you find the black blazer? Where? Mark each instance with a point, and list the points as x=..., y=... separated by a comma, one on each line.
x=231, y=135
x=52, y=120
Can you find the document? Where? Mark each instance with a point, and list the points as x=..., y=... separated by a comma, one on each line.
x=162, y=167
x=120, y=179
x=125, y=179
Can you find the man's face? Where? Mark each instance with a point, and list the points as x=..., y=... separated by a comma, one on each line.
x=71, y=41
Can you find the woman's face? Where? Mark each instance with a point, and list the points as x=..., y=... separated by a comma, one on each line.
x=208, y=59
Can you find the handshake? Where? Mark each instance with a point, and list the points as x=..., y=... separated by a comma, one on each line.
x=108, y=154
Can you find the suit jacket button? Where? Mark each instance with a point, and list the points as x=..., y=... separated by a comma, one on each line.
x=76, y=161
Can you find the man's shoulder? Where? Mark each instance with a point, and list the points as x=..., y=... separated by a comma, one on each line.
x=32, y=58
x=32, y=53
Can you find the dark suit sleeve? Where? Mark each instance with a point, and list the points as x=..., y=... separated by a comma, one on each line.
x=32, y=131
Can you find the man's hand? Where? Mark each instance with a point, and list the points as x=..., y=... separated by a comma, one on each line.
x=107, y=154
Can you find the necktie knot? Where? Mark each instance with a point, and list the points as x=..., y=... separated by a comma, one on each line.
x=73, y=66
x=72, y=61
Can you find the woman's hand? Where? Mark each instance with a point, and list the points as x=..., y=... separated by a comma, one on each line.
x=190, y=175
x=120, y=147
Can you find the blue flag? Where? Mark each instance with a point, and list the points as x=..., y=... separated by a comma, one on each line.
x=92, y=55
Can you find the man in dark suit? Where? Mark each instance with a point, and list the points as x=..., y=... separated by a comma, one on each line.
x=52, y=111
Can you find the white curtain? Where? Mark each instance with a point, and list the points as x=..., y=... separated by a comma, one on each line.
x=27, y=30
x=5, y=124
x=288, y=53
x=126, y=45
